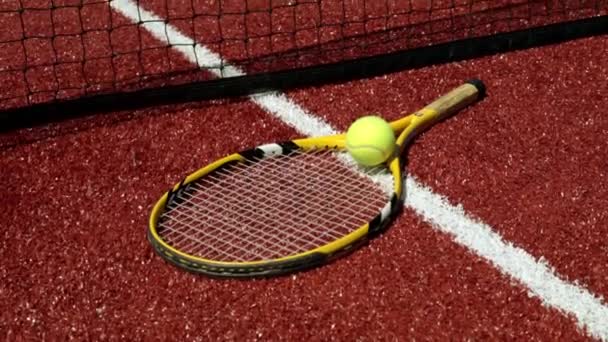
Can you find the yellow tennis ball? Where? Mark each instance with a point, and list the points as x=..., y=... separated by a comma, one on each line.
x=370, y=140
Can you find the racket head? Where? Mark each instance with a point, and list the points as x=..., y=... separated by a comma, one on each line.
x=274, y=209
x=284, y=207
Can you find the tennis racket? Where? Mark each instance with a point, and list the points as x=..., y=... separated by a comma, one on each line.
x=287, y=206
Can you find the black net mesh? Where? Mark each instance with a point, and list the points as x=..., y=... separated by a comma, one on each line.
x=54, y=50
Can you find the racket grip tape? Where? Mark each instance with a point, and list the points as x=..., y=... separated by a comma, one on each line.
x=458, y=99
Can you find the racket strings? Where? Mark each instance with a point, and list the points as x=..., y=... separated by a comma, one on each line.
x=244, y=220
x=190, y=241
x=334, y=236
x=270, y=208
x=335, y=171
x=246, y=193
x=238, y=219
x=231, y=237
x=326, y=185
x=297, y=194
x=303, y=240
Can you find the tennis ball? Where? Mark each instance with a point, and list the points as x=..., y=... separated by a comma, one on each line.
x=370, y=140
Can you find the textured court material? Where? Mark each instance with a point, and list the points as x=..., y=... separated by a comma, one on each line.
x=66, y=59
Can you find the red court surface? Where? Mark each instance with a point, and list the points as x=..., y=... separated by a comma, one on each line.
x=80, y=265
x=530, y=160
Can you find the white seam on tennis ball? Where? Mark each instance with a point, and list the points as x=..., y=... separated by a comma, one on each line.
x=372, y=147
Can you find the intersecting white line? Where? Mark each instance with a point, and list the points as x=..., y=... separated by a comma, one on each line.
x=537, y=276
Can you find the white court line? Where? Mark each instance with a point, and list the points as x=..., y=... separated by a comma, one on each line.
x=536, y=275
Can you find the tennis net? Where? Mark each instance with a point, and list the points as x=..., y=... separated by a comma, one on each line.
x=62, y=58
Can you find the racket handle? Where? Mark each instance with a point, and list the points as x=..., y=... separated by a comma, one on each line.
x=453, y=101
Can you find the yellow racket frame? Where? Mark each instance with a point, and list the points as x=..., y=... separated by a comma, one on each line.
x=405, y=128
